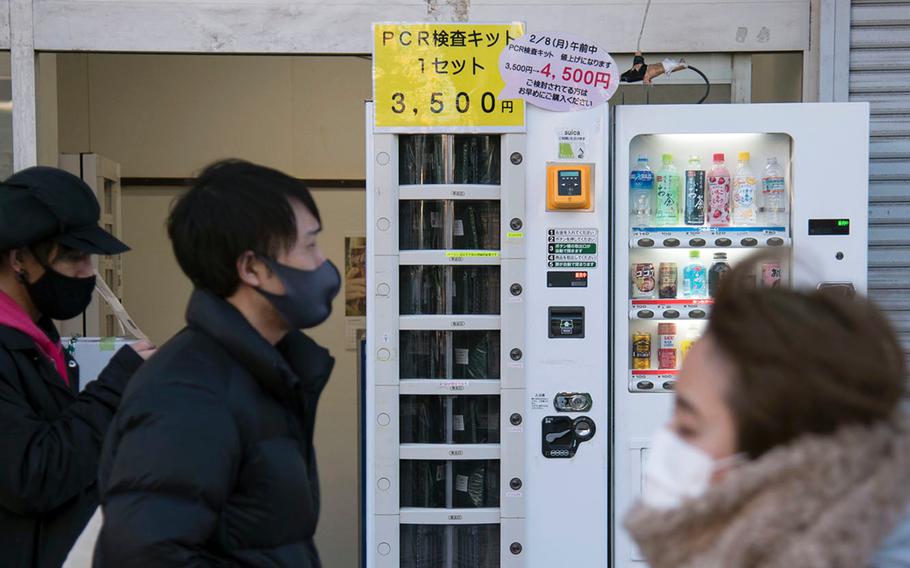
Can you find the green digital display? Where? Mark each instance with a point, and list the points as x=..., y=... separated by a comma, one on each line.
x=829, y=227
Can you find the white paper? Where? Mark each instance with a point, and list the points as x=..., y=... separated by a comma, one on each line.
x=461, y=356
x=459, y=422
x=461, y=483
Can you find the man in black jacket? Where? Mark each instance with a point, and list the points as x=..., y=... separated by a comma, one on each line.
x=50, y=433
x=210, y=459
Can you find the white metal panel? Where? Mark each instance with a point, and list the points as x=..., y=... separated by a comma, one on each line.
x=443, y=387
x=449, y=516
x=384, y=421
x=313, y=26
x=512, y=460
x=444, y=452
x=455, y=323
x=566, y=500
x=454, y=192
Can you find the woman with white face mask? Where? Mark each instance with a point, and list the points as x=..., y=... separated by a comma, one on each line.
x=787, y=446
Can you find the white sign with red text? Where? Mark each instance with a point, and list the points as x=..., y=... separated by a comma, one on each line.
x=558, y=71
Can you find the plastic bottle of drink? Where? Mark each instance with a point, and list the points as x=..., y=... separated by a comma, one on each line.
x=641, y=186
x=718, y=270
x=695, y=192
x=695, y=277
x=686, y=344
x=745, y=207
x=774, y=194
x=719, y=193
x=668, y=186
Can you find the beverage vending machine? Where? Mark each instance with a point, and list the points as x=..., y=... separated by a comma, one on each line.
x=723, y=180
x=532, y=294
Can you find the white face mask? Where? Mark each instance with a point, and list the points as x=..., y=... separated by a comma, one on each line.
x=676, y=470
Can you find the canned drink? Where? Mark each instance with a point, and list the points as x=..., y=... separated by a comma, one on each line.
x=666, y=353
x=641, y=350
x=644, y=281
x=668, y=280
x=771, y=274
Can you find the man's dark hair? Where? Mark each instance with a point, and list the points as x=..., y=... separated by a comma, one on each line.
x=234, y=207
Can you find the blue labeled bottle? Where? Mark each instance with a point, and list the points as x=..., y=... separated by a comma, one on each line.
x=641, y=188
x=695, y=277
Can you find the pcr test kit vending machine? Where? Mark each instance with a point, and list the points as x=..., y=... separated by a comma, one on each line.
x=508, y=414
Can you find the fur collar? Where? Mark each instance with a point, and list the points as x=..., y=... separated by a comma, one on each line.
x=821, y=501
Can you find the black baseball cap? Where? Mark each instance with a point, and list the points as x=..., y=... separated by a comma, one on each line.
x=43, y=203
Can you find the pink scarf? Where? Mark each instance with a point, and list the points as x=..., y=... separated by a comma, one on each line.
x=12, y=315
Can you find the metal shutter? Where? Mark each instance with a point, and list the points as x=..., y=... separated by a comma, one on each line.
x=880, y=74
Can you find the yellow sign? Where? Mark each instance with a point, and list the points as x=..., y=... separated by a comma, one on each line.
x=443, y=76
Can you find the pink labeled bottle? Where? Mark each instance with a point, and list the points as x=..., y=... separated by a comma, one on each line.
x=719, y=193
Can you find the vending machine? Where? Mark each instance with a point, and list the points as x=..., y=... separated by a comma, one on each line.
x=487, y=399
x=528, y=309
x=724, y=180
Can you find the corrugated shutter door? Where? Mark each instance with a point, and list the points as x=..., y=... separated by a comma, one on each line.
x=880, y=74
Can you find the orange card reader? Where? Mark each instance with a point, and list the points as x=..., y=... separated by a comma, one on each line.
x=569, y=187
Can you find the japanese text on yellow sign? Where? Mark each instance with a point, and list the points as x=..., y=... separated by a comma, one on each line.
x=442, y=75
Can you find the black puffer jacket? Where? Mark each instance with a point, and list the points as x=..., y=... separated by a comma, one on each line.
x=210, y=459
x=50, y=443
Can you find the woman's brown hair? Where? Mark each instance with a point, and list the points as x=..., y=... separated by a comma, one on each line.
x=806, y=361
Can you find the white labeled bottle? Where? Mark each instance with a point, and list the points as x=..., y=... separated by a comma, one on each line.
x=774, y=195
x=641, y=188
x=719, y=193
x=668, y=189
x=745, y=207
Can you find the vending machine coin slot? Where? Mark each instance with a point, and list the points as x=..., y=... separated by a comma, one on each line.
x=572, y=402
x=567, y=322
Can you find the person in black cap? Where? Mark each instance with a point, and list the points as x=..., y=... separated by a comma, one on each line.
x=50, y=433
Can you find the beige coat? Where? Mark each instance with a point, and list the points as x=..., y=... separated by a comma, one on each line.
x=820, y=502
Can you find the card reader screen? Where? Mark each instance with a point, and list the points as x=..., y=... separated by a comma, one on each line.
x=569, y=183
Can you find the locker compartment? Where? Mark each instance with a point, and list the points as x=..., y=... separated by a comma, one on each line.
x=451, y=484
x=434, y=419
x=450, y=546
x=477, y=159
x=427, y=355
